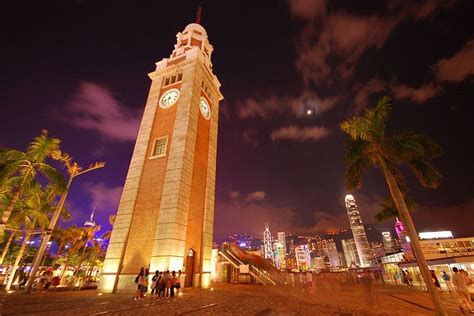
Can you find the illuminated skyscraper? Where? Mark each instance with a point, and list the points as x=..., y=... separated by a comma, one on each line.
x=332, y=254
x=280, y=262
x=282, y=240
x=400, y=230
x=267, y=243
x=360, y=238
x=388, y=243
x=303, y=257
x=350, y=252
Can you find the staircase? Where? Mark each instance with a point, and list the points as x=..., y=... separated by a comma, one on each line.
x=238, y=257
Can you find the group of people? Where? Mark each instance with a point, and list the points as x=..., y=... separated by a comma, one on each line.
x=163, y=284
x=461, y=281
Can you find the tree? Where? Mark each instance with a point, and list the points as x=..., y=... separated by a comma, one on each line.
x=389, y=210
x=369, y=146
x=19, y=169
x=33, y=211
x=71, y=240
x=74, y=170
x=88, y=236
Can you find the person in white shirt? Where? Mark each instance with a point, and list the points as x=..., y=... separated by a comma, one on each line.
x=461, y=280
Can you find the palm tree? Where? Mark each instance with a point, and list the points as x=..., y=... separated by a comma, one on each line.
x=19, y=169
x=74, y=170
x=88, y=236
x=72, y=239
x=94, y=257
x=369, y=146
x=34, y=211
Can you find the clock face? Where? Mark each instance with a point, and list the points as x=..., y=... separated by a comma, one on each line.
x=205, y=109
x=169, y=98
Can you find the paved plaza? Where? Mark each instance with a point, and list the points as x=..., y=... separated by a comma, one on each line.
x=229, y=299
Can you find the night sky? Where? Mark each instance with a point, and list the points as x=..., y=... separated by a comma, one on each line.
x=79, y=69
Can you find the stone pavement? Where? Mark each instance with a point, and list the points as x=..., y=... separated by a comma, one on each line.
x=229, y=299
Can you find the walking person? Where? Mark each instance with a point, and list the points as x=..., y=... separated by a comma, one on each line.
x=461, y=281
x=447, y=280
x=178, y=283
x=161, y=286
x=155, y=285
x=139, y=282
x=144, y=288
x=309, y=281
x=167, y=279
x=435, y=280
x=303, y=280
x=172, y=283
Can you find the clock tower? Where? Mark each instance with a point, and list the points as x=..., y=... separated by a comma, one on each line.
x=166, y=214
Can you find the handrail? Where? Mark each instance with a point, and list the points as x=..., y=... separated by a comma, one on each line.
x=254, y=271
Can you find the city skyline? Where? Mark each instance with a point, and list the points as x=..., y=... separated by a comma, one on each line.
x=78, y=68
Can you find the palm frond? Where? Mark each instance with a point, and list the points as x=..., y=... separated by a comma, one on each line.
x=53, y=175
x=42, y=147
x=389, y=210
x=358, y=158
x=407, y=145
x=425, y=172
x=356, y=127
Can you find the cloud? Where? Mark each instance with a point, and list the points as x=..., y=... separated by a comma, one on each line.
x=94, y=107
x=332, y=42
x=269, y=106
x=300, y=133
x=250, y=137
x=256, y=196
x=458, y=67
x=103, y=198
x=418, y=95
x=363, y=93
x=307, y=9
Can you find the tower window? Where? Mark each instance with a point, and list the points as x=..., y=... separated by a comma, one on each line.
x=172, y=79
x=159, y=147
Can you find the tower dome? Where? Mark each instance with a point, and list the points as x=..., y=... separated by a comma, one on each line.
x=90, y=222
x=195, y=27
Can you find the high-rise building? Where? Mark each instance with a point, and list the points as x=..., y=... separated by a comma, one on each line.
x=280, y=256
x=165, y=217
x=281, y=236
x=389, y=244
x=349, y=250
x=303, y=257
x=400, y=230
x=360, y=238
x=332, y=254
x=267, y=243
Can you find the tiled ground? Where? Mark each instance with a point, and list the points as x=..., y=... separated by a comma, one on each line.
x=326, y=298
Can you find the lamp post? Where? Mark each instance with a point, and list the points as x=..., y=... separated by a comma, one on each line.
x=74, y=170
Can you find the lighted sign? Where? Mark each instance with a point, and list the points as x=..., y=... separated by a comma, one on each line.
x=436, y=235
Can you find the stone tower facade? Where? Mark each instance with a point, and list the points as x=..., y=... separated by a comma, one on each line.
x=166, y=214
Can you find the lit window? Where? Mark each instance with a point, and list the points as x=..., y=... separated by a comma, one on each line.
x=159, y=147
